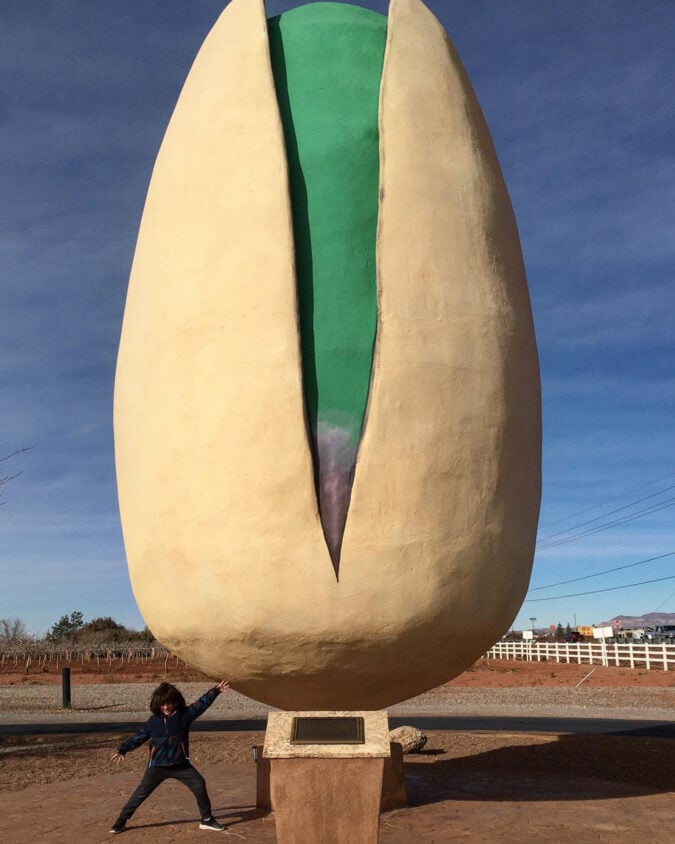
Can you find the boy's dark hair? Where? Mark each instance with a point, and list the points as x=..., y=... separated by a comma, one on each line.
x=166, y=693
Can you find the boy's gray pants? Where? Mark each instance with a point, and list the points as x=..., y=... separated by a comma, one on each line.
x=156, y=775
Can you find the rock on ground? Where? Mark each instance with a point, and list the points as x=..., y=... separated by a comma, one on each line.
x=410, y=738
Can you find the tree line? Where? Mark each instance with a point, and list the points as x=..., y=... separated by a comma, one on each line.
x=72, y=630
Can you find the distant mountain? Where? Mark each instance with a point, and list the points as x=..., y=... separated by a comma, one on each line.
x=650, y=619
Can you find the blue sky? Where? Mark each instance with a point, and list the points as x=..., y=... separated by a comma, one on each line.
x=578, y=96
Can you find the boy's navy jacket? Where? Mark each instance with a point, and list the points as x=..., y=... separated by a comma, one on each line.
x=169, y=735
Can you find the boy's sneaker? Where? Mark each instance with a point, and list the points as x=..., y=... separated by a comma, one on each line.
x=211, y=823
x=118, y=826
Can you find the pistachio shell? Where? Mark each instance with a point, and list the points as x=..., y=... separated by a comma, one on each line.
x=225, y=547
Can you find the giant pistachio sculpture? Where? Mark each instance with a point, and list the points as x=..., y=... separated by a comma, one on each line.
x=327, y=416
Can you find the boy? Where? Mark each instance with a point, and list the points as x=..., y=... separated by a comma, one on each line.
x=168, y=732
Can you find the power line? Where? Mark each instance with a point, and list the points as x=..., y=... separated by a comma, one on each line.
x=647, y=511
x=603, y=515
x=669, y=502
x=596, y=591
x=599, y=573
x=608, y=501
x=672, y=595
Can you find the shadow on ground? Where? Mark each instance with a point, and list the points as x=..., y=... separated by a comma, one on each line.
x=583, y=768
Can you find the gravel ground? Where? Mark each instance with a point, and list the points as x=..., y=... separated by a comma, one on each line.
x=99, y=702
x=34, y=704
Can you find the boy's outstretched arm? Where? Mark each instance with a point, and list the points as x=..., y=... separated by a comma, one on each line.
x=200, y=706
x=138, y=738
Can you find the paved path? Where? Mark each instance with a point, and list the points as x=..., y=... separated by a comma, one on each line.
x=560, y=725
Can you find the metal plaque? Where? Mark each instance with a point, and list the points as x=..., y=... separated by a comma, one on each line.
x=328, y=730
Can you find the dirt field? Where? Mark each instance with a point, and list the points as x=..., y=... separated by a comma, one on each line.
x=462, y=787
x=500, y=674
x=489, y=788
x=484, y=674
x=86, y=671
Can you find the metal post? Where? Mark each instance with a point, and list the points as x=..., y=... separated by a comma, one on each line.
x=65, y=687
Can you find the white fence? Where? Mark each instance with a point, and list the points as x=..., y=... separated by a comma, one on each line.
x=651, y=657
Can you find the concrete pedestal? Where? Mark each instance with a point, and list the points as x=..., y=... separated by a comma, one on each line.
x=393, y=781
x=326, y=793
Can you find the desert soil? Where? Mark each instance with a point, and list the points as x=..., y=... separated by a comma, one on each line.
x=482, y=787
x=484, y=674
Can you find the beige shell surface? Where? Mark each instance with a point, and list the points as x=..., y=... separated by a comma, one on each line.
x=225, y=548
